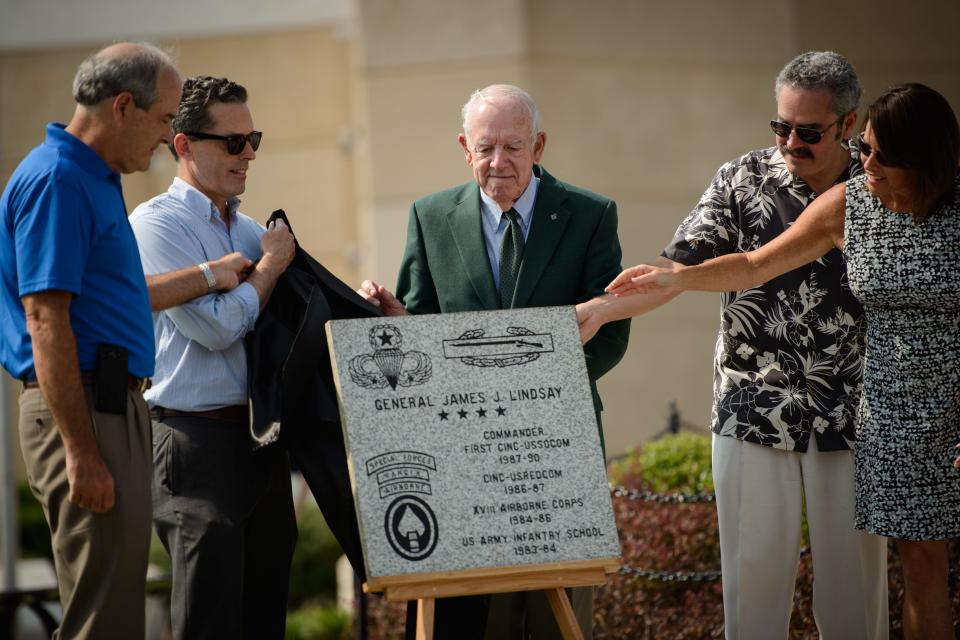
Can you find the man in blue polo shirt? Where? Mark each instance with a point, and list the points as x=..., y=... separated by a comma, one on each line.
x=77, y=330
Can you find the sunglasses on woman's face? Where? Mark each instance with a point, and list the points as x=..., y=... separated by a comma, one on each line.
x=866, y=150
x=806, y=134
x=236, y=142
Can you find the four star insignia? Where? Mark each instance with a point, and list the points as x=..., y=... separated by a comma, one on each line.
x=463, y=413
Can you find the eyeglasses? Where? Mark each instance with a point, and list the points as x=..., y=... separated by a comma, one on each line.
x=866, y=150
x=236, y=142
x=806, y=134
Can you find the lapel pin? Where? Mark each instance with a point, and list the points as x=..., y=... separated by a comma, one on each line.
x=553, y=216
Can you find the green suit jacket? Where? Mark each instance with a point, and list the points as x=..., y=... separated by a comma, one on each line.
x=571, y=253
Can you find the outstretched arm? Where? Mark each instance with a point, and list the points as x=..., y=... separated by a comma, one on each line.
x=818, y=229
x=593, y=314
x=605, y=349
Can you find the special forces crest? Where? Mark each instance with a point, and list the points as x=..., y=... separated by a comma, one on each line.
x=389, y=364
x=409, y=523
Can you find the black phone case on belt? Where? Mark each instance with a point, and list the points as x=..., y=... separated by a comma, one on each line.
x=110, y=380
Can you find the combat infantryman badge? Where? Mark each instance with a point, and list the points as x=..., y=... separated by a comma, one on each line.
x=519, y=346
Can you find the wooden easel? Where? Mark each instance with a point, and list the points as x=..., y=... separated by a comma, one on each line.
x=550, y=578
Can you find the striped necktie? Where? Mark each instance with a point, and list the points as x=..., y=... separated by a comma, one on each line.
x=511, y=255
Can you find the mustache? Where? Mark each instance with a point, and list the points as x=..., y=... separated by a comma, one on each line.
x=800, y=152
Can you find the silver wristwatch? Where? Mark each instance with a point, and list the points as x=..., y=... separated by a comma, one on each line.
x=208, y=275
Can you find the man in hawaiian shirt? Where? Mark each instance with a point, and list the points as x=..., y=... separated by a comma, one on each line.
x=787, y=373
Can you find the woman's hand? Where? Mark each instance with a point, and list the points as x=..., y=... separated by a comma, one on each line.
x=644, y=278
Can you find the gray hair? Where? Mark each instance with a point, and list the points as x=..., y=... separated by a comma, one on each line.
x=119, y=68
x=823, y=71
x=499, y=91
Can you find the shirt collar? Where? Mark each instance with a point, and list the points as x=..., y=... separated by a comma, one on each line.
x=197, y=202
x=77, y=151
x=523, y=205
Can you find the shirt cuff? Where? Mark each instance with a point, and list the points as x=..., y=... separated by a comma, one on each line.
x=49, y=284
x=686, y=258
x=250, y=303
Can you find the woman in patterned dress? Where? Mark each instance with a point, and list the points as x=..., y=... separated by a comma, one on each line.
x=899, y=227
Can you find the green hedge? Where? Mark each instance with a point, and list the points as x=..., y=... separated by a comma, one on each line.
x=677, y=463
x=316, y=622
x=313, y=574
x=669, y=537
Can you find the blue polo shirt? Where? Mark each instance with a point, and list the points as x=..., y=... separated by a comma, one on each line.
x=64, y=227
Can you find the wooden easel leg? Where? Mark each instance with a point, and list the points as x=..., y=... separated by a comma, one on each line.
x=563, y=612
x=425, y=618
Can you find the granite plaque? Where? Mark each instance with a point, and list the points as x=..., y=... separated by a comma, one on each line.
x=472, y=441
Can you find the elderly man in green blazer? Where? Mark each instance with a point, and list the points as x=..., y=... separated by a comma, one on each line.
x=514, y=237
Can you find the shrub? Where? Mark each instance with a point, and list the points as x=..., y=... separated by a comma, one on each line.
x=313, y=572
x=664, y=537
x=677, y=463
x=317, y=622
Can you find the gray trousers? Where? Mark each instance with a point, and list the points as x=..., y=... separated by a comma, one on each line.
x=225, y=514
x=101, y=559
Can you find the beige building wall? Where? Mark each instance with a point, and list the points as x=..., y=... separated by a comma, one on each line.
x=641, y=102
x=300, y=94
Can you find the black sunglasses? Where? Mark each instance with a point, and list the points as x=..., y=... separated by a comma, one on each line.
x=236, y=142
x=866, y=150
x=806, y=134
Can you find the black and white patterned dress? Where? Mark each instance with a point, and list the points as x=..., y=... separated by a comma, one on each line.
x=907, y=276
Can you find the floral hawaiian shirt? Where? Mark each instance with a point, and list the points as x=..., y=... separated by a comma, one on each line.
x=788, y=355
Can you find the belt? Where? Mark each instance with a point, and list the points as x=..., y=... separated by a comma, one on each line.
x=235, y=413
x=86, y=377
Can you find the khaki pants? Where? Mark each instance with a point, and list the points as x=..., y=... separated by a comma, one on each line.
x=101, y=559
x=760, y=498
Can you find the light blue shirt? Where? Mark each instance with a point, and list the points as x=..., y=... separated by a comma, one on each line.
x=495, y=224
x=201, y=359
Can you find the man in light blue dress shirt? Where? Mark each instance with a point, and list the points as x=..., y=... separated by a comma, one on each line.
x=223, y=511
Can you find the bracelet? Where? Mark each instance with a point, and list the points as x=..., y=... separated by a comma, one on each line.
x=208, y=276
